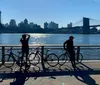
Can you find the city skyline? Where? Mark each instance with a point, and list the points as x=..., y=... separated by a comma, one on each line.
x=12, y=22
x=59, y=11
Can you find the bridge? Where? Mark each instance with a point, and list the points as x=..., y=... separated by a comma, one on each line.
x=92, y=22
x=86, y=23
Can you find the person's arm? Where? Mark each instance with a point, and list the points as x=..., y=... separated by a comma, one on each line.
x=64, y=45
x=21, y=40
x=73, y=47
x=28, y=36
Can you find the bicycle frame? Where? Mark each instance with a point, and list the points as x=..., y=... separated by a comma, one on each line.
x=39, y=52
x=12, y=55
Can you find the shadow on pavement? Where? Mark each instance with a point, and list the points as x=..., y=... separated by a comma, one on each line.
x=82, y=75
x=85, y=78
x=19, y=79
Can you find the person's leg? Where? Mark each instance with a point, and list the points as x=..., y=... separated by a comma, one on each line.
x=73, y=54
x=27, y=52
x=27, y=65
x=72, y=59
x=72, y=62
x=22, y=59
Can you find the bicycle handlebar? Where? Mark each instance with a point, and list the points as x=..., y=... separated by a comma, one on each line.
x=35, y=49
x=10, y=49
x=38, y=49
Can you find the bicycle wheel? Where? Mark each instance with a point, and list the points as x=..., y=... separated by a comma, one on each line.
x=52, y=60
x=34, y=58
x=63, y=58
x=9, y=61
x=78, y=57
x=26, y=64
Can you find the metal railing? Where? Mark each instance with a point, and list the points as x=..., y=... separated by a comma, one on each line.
x=89, y=52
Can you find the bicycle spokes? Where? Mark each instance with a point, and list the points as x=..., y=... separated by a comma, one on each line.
x=9, y=61
x=34, y=58
x=52, y=60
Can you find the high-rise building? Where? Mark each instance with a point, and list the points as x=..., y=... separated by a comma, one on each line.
x=25, y=21
x=0, y=17
x=69, y=25
x=45, y=25
x=52, y=25
x=31, y=24
x=12, y=22
x=6, y=25
x=1, y=25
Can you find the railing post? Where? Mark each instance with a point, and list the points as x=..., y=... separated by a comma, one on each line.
x=42, y=58
x=78, y=51
x=3, y=54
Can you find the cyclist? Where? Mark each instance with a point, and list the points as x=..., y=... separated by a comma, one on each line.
x=69, y=47
x=25, y=47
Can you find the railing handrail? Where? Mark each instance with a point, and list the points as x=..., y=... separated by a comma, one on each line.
x=56, y=45
x=43, y=46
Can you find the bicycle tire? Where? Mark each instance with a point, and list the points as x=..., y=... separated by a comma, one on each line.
x=26, y=65
x=8, y=59
x=80, y=57
x=18, y=62
x=52, y=60
x=35, y=69
x=34, y=58
x=63, y=58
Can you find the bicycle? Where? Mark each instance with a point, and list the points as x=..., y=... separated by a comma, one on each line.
x=51, y=59
x=11, y=58
x=65, y=57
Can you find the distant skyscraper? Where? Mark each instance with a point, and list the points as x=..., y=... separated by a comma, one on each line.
x=31, y=24
x=0, y=16
x=52, y=25
x=12, y=22
x=26, y=21
x=1, y=25
x=69, y=25
x=20, y=24
x=6, y=25
x=45, y=25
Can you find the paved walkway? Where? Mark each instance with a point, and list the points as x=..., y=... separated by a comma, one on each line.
x=87, y=73
x=57, y=80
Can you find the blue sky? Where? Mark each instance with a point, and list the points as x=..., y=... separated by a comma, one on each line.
x=40, y=11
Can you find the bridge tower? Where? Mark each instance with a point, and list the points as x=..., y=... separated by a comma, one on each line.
x=86, y=28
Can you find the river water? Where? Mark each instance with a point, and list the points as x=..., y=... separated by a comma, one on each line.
x=51, y=38
x=90, y=39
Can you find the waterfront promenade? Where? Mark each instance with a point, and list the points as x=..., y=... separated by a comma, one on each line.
x=87, y=73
